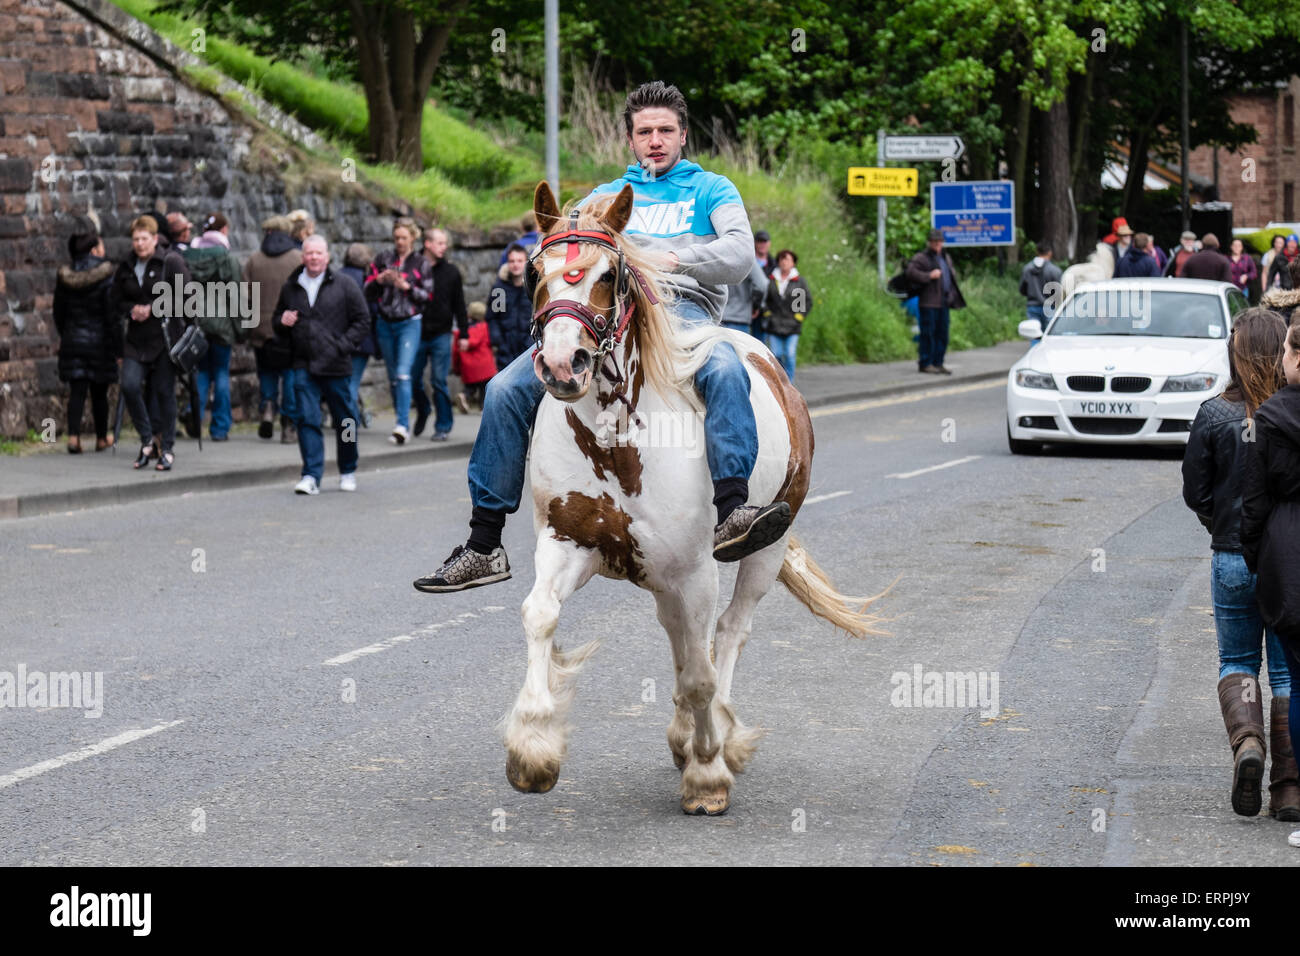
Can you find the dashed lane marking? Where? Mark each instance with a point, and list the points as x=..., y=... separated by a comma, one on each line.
x=112, y=743
x=385, y=644
x=946, y=464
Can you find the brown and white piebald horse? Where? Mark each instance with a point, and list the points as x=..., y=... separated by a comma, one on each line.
x=633, y=500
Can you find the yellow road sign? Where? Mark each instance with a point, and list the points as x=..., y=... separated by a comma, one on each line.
x=879, y=181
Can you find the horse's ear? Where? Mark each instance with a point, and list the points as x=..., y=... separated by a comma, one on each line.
x=619, y=212
x=545, y=207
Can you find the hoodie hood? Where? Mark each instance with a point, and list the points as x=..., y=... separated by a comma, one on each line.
x=85, y=272
x=682, y=170
x=277, y=243
x=1282, y=411
x=503, y=273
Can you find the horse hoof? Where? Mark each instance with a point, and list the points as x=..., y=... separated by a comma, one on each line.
x=711, y=804
x=537, y=781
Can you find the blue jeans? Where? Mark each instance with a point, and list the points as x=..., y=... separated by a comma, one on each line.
x=399, y=342
x=497, y=463
x=276, y=387
x=358, y=370
x=932, y=344
x=436, y=352
x=1242, y=635
x=338, y=395
x=783, y=347
x=1036, y=312
x=214, y=370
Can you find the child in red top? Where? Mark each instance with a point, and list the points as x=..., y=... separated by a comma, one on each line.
x=472, y=359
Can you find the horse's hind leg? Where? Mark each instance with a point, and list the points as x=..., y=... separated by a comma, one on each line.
x=535, y=730
x=754, y=578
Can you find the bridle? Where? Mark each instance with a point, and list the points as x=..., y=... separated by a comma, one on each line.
x=606, y=326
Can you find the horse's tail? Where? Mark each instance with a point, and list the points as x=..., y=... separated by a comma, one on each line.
x=810, y=584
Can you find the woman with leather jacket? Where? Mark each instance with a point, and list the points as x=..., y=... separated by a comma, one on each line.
x=1213, y=470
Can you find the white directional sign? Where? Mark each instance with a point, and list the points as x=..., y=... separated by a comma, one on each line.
x=943, y=146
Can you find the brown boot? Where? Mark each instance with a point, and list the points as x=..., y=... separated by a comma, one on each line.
x=1283, y=776
x=1243, y=715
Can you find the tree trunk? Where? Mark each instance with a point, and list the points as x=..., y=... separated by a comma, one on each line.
x=1134, y=184
x=1020, y=165
x=367, y=28
x=1054, y=175
x=397, y=67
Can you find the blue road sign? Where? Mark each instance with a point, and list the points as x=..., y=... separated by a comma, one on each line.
x=974, y=213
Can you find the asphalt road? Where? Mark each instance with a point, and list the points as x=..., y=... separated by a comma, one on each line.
x=226, y=627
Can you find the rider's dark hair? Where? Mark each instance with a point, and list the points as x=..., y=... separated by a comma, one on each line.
x=652, y=95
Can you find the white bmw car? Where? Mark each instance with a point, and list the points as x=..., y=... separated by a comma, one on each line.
x=1125, y=360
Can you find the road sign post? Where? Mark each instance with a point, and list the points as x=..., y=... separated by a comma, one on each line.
x=880, y=210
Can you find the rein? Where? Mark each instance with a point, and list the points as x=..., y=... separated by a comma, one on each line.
x=603, y=328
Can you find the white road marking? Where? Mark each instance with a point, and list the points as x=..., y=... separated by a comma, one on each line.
x=92, y=750
x=385, y=644
x=946, y=464
x=834, y=494
x=903, y=399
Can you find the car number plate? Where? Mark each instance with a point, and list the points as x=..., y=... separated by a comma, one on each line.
x=1112, y=408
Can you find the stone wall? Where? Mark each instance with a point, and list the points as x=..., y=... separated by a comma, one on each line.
x=99, y=124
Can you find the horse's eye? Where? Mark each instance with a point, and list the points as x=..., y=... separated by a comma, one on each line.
x=608, y=277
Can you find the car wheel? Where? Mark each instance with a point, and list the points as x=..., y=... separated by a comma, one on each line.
x=1019, y=447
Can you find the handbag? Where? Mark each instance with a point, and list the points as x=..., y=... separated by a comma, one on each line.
x=188, y=350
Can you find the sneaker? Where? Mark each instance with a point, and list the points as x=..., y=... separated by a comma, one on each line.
x=440, y=436
x=466, y=568
x=307, y=486
x=1294, y=838
x=266, y=427
x=399, y=435
x=348, y=482
x=749, y=529
x=421, y=419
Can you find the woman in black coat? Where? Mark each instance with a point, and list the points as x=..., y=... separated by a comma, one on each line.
x=90, y=337
x=1213, y=468
x=1270, y=514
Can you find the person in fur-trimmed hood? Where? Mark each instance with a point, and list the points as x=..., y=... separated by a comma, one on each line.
x=90, y=337
x=1283, y=301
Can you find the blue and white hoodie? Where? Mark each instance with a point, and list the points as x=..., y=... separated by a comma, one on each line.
x=699, y=216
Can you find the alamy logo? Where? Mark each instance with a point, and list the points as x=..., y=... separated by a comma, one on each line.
x=656, y=429
x=103, y=909
x=960, y=689
x=663, y=218
x=83, y=690
x=196, y=300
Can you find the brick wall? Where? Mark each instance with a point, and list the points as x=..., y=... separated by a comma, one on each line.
x=1274, y=160
x=96, y=120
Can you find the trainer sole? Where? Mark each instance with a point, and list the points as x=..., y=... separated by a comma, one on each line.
x=766, y=530
x=445, y=588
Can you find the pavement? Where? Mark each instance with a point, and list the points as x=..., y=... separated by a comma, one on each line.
x=49, y=481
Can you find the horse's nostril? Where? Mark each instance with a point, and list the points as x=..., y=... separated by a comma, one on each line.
x=581, y=359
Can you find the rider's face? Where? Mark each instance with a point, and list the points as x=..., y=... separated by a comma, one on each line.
x=657, y=139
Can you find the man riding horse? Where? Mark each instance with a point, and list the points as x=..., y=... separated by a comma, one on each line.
x=698, y=221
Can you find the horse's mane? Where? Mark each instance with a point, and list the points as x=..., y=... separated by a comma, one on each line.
x=669, y=352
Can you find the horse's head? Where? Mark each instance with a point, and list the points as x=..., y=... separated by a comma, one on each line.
x=580, y=292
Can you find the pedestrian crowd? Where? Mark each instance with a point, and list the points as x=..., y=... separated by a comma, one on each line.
x=1241, y=477
x=313, y=325
x=772, y=302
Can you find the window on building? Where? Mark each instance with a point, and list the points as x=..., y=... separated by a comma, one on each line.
x=1288, y=202
x=1288, y=120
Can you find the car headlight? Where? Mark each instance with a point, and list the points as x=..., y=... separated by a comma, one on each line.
x=1200, y=382
x=1027, y=378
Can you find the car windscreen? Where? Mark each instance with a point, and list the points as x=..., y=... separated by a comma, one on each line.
x=1190, y=315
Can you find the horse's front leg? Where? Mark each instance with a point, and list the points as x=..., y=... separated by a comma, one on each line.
x=687, y=614
x=536, y=732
